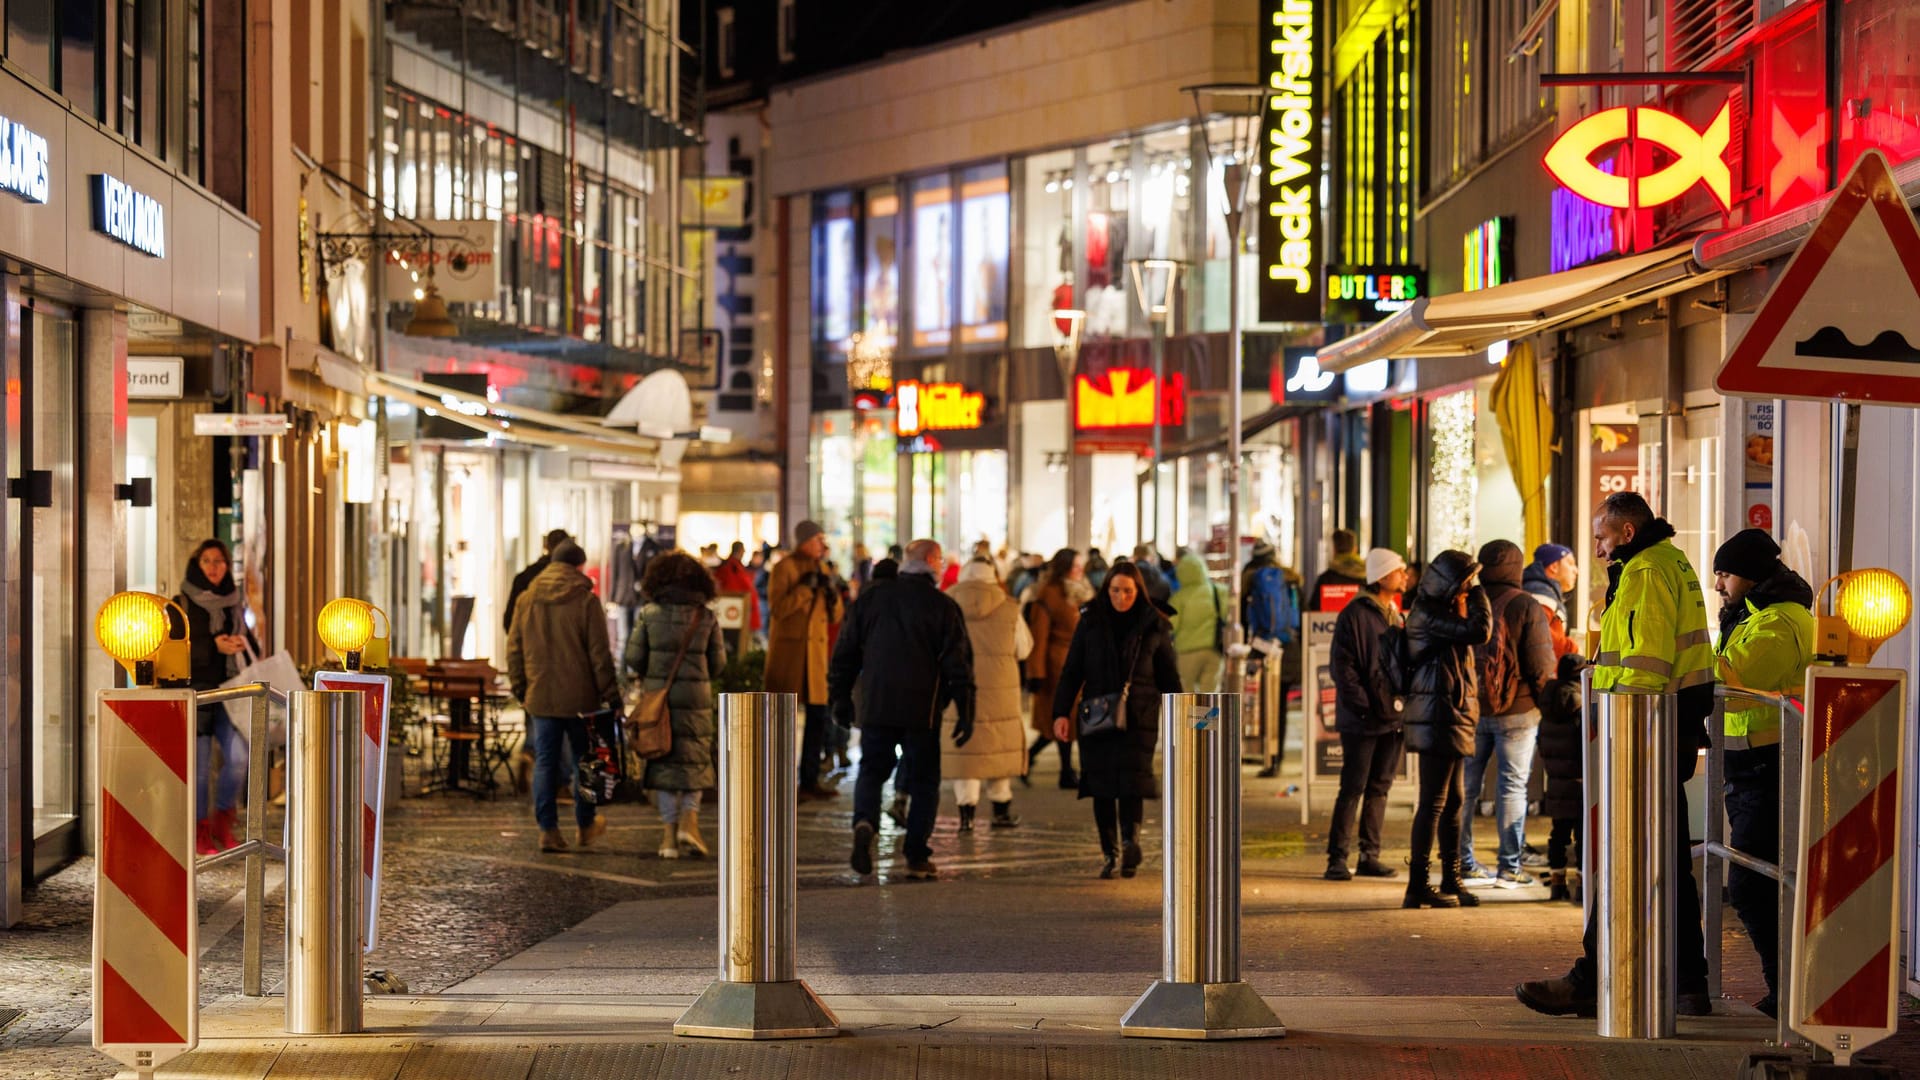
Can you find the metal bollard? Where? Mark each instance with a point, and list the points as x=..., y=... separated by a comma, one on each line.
x=324, y=922
x=1200, y=994
x=758, y=995
x=1634, y=895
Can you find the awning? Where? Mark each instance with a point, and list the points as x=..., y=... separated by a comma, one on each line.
x=1463, y=324
x=533, y=427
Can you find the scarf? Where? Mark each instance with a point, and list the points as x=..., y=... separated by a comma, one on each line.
x=221, y=603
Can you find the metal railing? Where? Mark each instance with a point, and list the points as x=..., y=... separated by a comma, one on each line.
x=255, y=849
x=1718, y=853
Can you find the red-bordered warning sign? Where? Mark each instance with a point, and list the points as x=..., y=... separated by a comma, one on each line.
x=1846, y=917
x=146, y=970
x=376, y=693
x=1843, y=320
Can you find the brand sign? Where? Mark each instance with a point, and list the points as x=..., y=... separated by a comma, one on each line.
x=1290, y=240
x=240, y=424
x=1296, y=379
x=1582, y=231
x=1487, y=255
x=1124, y=398
x=919, y=407
x=132, y=217
x=156, y=376
x=24, y=168
x=1364, y=294
x=458, y=258
x=1699, y=157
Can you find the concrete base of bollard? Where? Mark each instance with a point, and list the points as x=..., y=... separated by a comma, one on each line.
x=757, y=1010
x=1172, y=1010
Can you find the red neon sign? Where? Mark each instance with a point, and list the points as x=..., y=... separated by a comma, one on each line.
x=1124, y=398
x=1699, y=157
x=919, y=407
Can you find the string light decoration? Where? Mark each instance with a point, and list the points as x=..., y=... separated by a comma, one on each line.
x=1453, y=485
x=869, y=363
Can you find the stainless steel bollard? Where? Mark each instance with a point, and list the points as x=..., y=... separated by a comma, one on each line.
x=1200, y=994
x=758, y=994
x=324, y=922
x=1634, y=897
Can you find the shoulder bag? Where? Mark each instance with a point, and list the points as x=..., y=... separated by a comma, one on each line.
x=1106, y=715
x=650, y=728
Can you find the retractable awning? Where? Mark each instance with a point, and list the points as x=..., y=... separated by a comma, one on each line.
x=1463, y=324
x=533, y=427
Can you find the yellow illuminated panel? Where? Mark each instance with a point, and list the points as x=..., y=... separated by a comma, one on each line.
x=1699, y=157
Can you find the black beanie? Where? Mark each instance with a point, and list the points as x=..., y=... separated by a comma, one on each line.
x=569, y=552
x=1749, y=553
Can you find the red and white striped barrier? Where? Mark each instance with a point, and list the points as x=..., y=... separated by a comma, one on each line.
x=376, y=695
x=1846, y=921
x=146, y=970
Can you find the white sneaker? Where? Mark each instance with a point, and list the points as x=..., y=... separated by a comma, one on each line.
x=1516, y=879
x=1476, y=876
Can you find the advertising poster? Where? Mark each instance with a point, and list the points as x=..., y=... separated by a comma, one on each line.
x=882, y=284
x=983, y=245
x=932, y=266
x=1616, y=460
x=1321, y=751
x=836, y=303
x=1757, y=458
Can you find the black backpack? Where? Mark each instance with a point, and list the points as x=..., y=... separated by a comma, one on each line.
x=1396, y=665
x=1499, y=663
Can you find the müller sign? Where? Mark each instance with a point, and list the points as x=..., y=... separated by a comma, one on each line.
x=132, y=217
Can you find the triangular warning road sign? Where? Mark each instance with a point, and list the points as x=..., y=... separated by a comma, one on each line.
x=1843, y=320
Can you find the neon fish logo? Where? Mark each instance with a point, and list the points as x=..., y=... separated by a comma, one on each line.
x=1699, y=157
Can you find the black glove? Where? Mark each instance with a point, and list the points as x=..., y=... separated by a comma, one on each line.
x=1035, y=685
x=810, y=580
x=842, y=712
x=962, y=730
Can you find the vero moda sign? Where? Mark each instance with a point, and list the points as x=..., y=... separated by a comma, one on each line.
x=1291, y=241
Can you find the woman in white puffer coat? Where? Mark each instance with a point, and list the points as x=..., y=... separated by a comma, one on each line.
x=998, y=750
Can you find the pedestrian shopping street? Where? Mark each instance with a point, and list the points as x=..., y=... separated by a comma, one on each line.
x=1018, y=955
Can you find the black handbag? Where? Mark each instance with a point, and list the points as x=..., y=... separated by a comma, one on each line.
x=601, y=776
x=1106, y=714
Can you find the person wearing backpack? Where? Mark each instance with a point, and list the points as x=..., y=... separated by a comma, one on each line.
x=1367, y=713
x=1515, y=666
x=1199, y=619
x=1450, y=615
x=1270, y=610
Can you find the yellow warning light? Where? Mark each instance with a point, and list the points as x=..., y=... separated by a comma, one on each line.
x=1871, y=605
x=346, y=625
x=135, y=629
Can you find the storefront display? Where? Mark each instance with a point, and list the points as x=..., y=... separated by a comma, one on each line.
x=933, y=246
x=881, y=272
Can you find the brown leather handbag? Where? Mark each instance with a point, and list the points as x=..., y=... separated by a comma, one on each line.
x=650, y=724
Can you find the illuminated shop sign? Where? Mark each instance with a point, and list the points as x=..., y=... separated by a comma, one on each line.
x=919, y=407
x=24, y=169
x=1582, y=231
x=1290, y=240
x=134, y=218
x=1295, y=378
x=1371, y=293
x=1124, y=398
x=1699, y=157
x=1487, y=255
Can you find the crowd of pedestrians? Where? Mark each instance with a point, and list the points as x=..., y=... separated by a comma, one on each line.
x=966, y=669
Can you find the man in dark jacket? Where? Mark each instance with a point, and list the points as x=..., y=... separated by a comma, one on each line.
x=903, y=655
x=1347, y=569
x=1550, y=578
x=1367, y=714
x=1509, y=714
x=525, y=577
x=1160, y=587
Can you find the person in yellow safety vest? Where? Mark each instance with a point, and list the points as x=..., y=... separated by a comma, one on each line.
x=1766, y=643
x=1653, y=639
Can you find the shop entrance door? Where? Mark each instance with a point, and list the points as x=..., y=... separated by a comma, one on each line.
x=43, y=593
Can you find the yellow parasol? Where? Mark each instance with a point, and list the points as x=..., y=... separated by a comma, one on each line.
x=1526, y=430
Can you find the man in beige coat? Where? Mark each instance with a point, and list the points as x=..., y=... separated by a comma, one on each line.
x=560, y=665
x=802, y=606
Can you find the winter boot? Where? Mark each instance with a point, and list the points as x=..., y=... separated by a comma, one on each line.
x=897, y=811
x=688, y=834
x=966, y=818
x=1130, y=853
x=585, y=835
x=223, y=829
x=1108, y=848
x=669, y=847
x=1450, y=884
x=1003, y=815
x=1337, y=869
x=1371, y=866
x=551, y=840
x=203, y=841
x=1557, y=884
x=1420, y=890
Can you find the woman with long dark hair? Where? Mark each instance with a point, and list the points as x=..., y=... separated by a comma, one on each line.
x=1450, y=615
x=675, y=623
x=1053, y=611
x=1121, y=643
x=217, y=629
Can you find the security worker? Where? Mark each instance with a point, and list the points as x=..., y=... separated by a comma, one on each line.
x=1766, y=642
x=1653, y=638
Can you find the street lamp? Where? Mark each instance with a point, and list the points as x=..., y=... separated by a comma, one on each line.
x=1066, y=353
x=1154, y=282
x=1244, y=108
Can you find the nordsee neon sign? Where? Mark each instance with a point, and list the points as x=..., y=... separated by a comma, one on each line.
x=24, y=169
x=134, y=218
x=1700, y=157
x=1290, y=242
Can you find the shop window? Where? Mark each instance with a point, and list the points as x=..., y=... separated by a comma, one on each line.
x=1880, y=98
x=1453, y=478
x=31, y=44
x=933, y=258
x=985, y=213
x=724, y=42
x=880, y=268
x=833, y=269
x=1046, y=246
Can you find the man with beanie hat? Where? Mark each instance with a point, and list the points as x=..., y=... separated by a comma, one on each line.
x=1550, y=578
x=1514, y=666
x=802, y=606
x=560, y=665
x=525, y=577
x=1766, y=643
x=1270, y=611
x=1367, y=713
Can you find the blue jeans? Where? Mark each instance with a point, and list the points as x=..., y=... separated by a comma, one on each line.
x=233, y=762
x=918, y=752
x=554, y=764
x=1512, y=738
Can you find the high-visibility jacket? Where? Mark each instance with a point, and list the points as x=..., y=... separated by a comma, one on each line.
x=1769, y=650
x=1654, y=636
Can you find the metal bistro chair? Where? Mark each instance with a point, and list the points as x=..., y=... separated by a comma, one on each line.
x=464, y=689
x=1718, y=854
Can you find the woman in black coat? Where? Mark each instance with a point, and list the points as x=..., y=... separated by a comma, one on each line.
x=218, y=637
x=1450, y=615
x=1122, y=641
